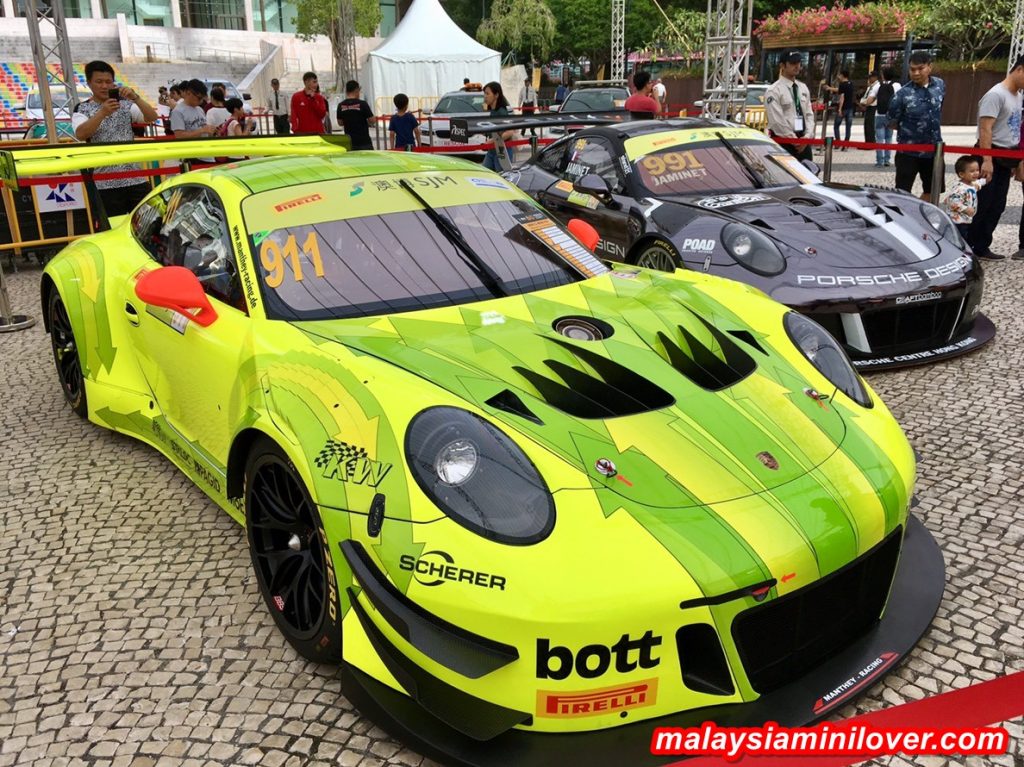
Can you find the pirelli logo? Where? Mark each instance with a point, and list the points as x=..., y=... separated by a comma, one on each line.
x=281, y=208
x=606, y=700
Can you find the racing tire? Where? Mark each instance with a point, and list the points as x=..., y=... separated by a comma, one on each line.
x=66, y=356
x=291, y=555
x=658, y=255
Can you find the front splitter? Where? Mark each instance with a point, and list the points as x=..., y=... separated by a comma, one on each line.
x=916, y=593
x=980, y=334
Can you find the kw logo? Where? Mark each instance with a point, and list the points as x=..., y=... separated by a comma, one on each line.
x=606, y=700
x=348, y=463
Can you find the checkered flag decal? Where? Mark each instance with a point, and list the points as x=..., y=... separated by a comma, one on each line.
x=338, y=452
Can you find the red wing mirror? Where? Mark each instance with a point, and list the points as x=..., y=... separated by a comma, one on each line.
x=585, y=233
x=178, y=289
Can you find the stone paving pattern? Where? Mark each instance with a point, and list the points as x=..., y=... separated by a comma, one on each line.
x=132, y=633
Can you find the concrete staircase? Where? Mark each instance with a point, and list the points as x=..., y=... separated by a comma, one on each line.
x=149, y=77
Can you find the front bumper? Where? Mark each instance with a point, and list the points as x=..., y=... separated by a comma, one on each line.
x=914, y=598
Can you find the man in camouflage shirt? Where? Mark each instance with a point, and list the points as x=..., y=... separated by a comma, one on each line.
x=915, y=112
x=107, y=118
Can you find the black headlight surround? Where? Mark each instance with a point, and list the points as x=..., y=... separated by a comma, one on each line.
x=943, y=226
x=505, y=479
x=836, y=365
x=763, y=247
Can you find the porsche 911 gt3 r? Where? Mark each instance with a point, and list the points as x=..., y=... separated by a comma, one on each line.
x=531, y=504
x=888, y=275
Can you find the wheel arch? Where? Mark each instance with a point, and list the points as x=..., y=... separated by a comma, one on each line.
x=646, y=239
x=238, y=455
x=46, y=288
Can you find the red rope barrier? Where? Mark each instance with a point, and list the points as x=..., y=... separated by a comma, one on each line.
x=1015, y=154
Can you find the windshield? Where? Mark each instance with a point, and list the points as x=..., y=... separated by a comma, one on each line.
x=230, y=91
x=58, y=97
x=597, y=100
x=709, y=167
x=388, y=256
x=462, y=102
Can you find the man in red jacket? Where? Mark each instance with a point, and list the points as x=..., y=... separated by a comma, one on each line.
x=308, y=107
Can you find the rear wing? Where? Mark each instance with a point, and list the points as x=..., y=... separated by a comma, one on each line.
x=25, y=163
x=464, y=127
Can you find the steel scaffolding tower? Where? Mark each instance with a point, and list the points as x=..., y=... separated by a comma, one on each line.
x=618, y=40
x=1017, y=40
x=49, y=14
x=726, y=56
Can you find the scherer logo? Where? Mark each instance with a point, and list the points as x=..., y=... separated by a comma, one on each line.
x=349, y=463
x=282, y=207
x=606, y=700
x=432, y=568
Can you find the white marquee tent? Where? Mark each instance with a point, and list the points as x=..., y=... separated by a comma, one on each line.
x=428, y=55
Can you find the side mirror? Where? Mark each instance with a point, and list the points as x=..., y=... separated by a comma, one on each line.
x=178, y=289
x=593, y=185
x=246, y=97
x=585, y=233
x=812, y=166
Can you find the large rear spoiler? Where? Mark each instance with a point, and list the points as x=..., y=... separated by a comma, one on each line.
x=54, y=159
x=464, y=127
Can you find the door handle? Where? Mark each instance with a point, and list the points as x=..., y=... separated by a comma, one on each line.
x=132, y=314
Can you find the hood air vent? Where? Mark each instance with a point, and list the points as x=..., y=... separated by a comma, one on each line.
x=613, y=390
x=709, y=369
x=509, y=402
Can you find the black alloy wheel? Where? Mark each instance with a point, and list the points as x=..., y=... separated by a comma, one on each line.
x=291, y=556
x=66, y=356
x=660, y=256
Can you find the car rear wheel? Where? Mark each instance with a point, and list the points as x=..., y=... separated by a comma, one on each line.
x=659, y=255
x=66, y=356
x=291, y=555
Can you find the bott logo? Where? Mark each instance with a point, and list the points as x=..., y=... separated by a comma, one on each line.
x=594, y=660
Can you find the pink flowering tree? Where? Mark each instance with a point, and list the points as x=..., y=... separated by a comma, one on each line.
x=865, y=17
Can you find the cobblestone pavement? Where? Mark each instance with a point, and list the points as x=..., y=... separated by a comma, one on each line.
x=132, y=633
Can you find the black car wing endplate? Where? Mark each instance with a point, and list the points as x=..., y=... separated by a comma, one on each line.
x=464, y=127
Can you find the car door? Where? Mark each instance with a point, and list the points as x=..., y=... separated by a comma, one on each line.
x=583, y=155
x=194, y=372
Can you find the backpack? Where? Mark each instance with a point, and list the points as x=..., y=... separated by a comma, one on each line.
x=226, y=126
x=885, y=94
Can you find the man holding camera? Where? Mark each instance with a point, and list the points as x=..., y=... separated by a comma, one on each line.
x=107, y=118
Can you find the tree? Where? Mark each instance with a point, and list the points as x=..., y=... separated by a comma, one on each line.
x=967, y=30
x=686, y=34
x=468, y=14
x=524, y=26
x=323, y=17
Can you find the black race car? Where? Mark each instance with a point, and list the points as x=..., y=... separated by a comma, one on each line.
x=886, y=274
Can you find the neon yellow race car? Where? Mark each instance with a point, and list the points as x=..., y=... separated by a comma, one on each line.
x=534, y=505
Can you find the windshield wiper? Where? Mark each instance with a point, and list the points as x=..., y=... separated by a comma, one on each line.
x=754, y=175
x=487, y=275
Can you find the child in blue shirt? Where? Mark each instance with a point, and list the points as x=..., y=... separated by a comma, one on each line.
x=404, y=128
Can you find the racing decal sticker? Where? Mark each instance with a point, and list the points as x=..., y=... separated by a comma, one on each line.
x=492, y=183
x=433, y=568
x=953, y=268
x=242, y=254
x=613, y=249
x=357, y=189
x=693, y=245
x=865, y=676
x=348, y=463
x=594, y=660
x=172, y=319
x=563, y=186
x=963, y=343
x=583, y=199
x=605, y=700
x=728, y=200
x=273, y=258
x=918, y=298
x=624, y=163
x=606, y=467
x=297, y=202
x=548, y=232
x=770, y=461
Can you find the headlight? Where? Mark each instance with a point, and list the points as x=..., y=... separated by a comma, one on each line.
x=753, y=250
x=942, y=224
x=825, y=353
x=478, y=476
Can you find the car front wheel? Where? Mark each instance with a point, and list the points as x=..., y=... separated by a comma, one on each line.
x=291, y=555
x=66, y=356
x=658, y=255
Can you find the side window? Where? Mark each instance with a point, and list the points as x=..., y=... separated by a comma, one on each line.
x=195, y=234
x=147, y=224
x=553, y=158
x=594, y=155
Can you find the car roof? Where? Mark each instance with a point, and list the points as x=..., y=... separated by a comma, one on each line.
x=278, y=172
